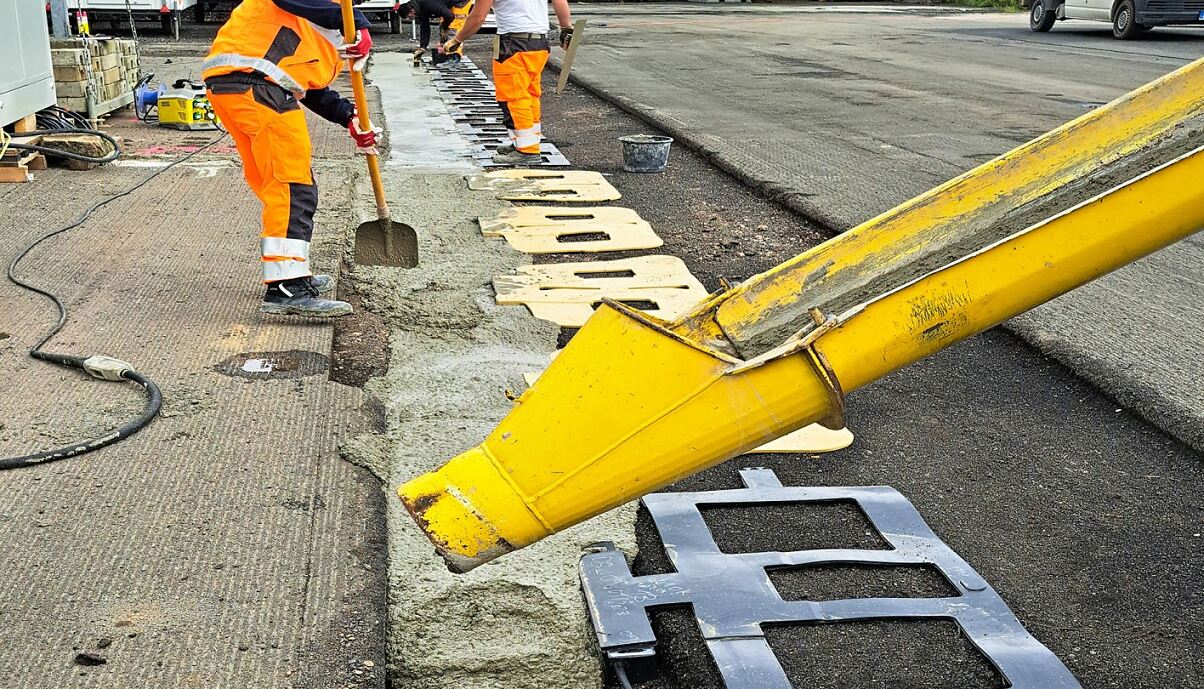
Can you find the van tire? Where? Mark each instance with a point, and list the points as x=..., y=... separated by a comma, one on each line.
x=1124, y=21
x=1040, y=17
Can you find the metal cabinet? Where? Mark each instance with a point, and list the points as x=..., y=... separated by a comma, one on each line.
x=26, y=77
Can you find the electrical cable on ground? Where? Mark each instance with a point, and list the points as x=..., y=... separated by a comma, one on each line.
x=98, y=366
x=50, y=151
x=621, y=675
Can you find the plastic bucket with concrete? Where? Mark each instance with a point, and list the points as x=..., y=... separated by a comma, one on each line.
x=645, y=152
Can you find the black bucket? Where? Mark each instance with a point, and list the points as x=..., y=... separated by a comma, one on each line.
x=646, y=152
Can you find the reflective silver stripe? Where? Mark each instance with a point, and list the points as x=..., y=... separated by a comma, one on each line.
x=333, y=36
x=283, y=247
x=526, y=137
x=275, y=271
x=269, y=69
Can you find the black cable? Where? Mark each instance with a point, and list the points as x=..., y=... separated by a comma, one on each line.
x=96, y=366
x=107, y=158
x=621, y=675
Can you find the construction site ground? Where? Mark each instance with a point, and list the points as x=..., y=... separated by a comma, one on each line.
x=250, y=537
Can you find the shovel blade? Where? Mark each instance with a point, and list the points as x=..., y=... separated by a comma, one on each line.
x=386, y=243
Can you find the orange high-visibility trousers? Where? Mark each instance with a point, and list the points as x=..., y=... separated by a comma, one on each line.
x=268, y=128
x=517, y=82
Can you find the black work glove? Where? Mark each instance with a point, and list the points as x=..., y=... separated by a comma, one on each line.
x=566, y=37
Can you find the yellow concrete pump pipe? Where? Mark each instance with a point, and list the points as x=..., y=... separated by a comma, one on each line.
x=633, y=403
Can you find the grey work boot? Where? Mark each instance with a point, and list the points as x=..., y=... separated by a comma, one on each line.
x=505, y=148
x=322, y=283
x=517, y=158
x=298, y=297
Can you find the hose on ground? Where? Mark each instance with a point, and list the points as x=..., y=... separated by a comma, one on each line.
x=51, y=151
x=97, y=366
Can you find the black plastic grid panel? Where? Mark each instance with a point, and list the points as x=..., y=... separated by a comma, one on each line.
x=732, y=595
x=469, y=95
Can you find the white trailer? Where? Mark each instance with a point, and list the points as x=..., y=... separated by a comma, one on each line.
x=383, y=11
x=118, y=12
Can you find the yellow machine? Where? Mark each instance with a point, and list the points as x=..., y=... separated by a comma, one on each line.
x=183, y=106
x=781, y=350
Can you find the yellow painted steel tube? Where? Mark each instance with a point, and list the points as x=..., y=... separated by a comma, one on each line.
x=630, y=406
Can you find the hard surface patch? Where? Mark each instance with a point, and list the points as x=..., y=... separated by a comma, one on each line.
x=932, y=654
x=799, y=526
x=845, y=581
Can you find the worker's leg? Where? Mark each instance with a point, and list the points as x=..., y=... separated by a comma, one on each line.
x=269, y=130
x=512, y=75
x=536, y=61
x=238, y=119
x=424, y=29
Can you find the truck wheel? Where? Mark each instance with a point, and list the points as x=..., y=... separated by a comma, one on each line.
x=1040, y=17
x=394, y=23
x=1124, y=21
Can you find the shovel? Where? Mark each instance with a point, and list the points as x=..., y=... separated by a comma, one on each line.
x=379, y=242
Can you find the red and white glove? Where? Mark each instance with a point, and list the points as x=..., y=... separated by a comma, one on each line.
x=358, y=52
x=365, y=142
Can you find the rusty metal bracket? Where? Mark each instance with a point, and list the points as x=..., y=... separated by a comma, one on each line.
x=732, y=595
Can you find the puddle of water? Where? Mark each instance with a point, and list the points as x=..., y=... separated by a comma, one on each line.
x=422, y=135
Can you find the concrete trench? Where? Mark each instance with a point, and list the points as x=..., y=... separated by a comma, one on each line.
x=519, y=622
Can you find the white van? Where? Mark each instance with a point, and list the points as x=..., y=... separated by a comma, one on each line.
x=1129, y=18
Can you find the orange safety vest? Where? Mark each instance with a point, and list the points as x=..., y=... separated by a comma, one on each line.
x=287, y=49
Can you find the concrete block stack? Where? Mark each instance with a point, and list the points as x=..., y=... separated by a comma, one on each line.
x=97, y=71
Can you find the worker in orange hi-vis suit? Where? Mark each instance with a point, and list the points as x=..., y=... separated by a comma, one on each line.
x=269, y=59
x=522, y=27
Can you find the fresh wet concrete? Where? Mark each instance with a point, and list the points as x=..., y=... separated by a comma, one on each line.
x=514, y=623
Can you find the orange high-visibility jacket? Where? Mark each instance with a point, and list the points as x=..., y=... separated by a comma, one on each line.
x=297, y=48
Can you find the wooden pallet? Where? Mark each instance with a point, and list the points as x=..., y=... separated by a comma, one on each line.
x=19, y=165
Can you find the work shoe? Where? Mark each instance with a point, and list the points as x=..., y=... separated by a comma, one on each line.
x=506, y=148
x=517, y=158
x=321, y=283
x=298, y=297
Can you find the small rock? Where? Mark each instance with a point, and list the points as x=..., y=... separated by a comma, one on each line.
x=104, y=642
x=89, y=659
x=244, y=647
x=369, y=663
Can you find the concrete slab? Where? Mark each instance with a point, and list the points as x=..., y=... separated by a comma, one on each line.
x=227, y=544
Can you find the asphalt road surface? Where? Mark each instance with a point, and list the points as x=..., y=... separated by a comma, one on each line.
x=846, y=111
x=1084, y=517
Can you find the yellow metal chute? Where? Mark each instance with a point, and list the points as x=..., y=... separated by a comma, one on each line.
x=633, y=403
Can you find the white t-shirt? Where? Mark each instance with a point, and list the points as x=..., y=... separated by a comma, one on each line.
x=521, y=16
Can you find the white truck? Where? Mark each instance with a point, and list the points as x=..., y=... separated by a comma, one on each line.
x=1129, y=18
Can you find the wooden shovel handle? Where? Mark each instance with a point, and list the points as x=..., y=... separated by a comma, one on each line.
x=361, y=105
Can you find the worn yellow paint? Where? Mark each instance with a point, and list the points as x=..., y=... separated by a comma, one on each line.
x=566, y=293
x=808, y=440
x=566, y=186
x=558, y=230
